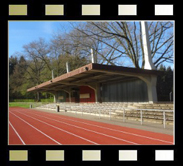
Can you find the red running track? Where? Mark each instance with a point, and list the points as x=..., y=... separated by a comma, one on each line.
x=32, y=127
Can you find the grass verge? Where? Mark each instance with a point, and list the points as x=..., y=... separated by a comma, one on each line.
x=25, y=104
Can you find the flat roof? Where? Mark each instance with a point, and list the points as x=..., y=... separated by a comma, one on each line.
x=91, y=74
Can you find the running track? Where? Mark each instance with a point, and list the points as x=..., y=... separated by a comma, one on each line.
x=31, y=127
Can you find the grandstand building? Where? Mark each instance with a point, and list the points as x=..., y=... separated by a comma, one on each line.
x=104, y=83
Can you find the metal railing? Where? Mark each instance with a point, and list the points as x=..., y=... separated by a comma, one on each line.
x=108, y=110
x=154, y=110
x=99, y=110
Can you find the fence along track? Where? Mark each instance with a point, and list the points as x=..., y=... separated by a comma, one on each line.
x=153, y=113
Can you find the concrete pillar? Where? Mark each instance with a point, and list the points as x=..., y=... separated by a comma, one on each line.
x=96, y=88
x=69, y=93
x=150, y=80
x=151, y=87
x=98, y=93
x=69, y=96
x=55, y=97
x=147, y=49
x=38, y=94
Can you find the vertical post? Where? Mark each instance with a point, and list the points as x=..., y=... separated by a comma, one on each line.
x=67, y=67
x=109, y=114
x=123, y=115
x=170, y=94
x=146, y=46
x=164, y=119
x=58, y=108
x=70, y=97
x=141, y=116
x=52, y=74
x=151, y=84
x=151, y=87
x=92, y=57
x=65, y=109
x=97, y=90
x=55, y=97
x=30, y=105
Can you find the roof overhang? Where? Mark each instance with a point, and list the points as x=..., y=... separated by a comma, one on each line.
x=91, y=74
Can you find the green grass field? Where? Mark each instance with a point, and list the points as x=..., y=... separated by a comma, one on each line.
x=26, y=104
x=20, y=104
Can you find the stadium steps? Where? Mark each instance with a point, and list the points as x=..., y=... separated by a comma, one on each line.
x=148, y=116
x=116, y=110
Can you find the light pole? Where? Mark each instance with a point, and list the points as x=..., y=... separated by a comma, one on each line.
x=52, y=74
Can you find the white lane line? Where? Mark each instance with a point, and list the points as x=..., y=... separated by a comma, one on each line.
x=91, y=130
x=138, y=135
x=37, y=129
x=125, y=132
x=17, y=133
x=61, y=129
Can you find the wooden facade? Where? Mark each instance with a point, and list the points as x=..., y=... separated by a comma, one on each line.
x=127, y=91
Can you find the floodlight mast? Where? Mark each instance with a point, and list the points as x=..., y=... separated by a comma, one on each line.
x=67, y=67
x=150, y=80
x=147, y=48
x=93, y=57
x=52, y=74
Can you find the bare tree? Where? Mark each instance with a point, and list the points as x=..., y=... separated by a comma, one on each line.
x=57, y=52
x=105, y=52
x=64, y=49
x=38, y=65
x=124, y=41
